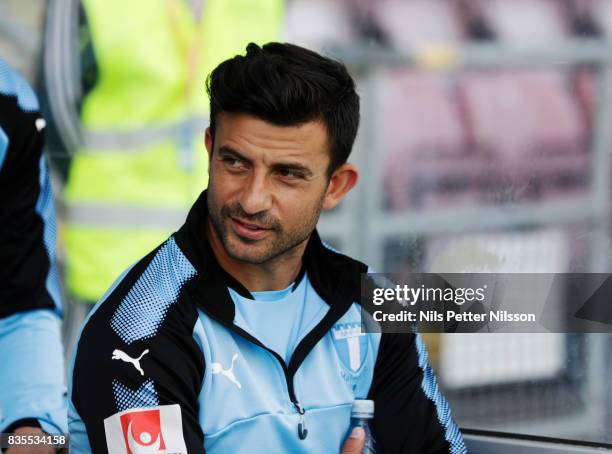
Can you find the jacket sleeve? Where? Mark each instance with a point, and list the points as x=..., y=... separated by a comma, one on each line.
x=137, y=370
x=411, y=415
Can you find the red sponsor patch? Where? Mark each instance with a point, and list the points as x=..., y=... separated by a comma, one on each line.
x=144, y=429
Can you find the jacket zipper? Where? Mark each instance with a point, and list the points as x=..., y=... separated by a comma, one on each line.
x=301, y=429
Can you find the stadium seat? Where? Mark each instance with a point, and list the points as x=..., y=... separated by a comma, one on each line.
x=526, y=22
x=414, y=23
x=532, y=125
x=423, y=142
x=316, y=24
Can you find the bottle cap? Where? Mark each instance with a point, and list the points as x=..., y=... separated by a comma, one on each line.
x=362, y=409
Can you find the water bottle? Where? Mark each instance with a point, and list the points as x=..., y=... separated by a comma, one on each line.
x=361, y=415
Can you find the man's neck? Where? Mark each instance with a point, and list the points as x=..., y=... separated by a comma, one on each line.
x=276, y=274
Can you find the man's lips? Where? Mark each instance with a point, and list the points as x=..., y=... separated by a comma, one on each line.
x=248, y=230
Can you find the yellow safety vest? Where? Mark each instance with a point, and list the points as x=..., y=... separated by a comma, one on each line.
x=143, y=160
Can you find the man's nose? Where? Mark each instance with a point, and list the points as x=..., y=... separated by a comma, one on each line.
x=256, y=196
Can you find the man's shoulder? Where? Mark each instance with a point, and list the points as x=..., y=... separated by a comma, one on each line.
x=139, y=301
x=137, y=350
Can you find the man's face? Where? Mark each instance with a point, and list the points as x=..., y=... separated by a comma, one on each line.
x=267, y=185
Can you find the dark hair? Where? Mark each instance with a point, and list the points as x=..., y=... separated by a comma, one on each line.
x=288, y=85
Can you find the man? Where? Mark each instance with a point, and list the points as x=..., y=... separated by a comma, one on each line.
x=32, y=391
x=241, y=333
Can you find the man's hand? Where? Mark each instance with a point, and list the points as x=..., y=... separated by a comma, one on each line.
x=354, y=443
x=29, y=449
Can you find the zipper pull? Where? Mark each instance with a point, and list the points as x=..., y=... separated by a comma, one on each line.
x=302, y=430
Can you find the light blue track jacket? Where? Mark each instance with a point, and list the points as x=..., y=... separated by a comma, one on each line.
x=166, y=364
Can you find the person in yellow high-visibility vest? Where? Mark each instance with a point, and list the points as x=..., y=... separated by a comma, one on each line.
x=141, y=161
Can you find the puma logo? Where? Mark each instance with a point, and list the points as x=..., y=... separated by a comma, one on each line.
x=217, y=368
x=118, y=354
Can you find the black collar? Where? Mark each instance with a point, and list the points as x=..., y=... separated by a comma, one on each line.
x=335, y=277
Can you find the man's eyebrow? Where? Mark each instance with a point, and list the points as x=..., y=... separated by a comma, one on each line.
x=234, y=153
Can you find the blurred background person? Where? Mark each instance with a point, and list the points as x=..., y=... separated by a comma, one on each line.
x=32, y=397
x=129, y=105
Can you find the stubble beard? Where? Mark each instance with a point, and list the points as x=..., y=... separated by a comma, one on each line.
x=282, y=242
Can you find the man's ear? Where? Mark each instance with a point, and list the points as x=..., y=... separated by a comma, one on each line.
x=208, y=142
x=341, y=182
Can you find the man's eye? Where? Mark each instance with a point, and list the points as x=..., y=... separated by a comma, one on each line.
x=289, y=173
x=233, y=162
